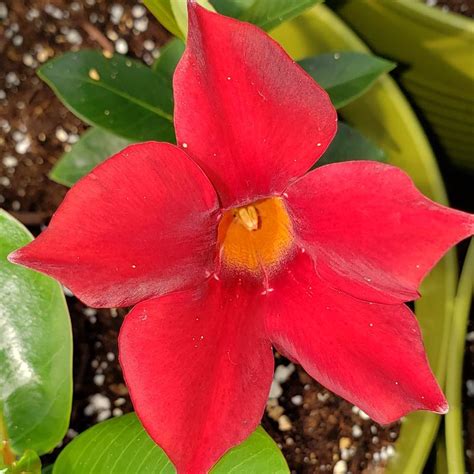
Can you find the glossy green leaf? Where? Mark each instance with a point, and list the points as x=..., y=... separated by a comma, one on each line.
x=454, y=375
x=94, y=146
x=173, y=14
x=233, y=8
x=349, y=145
x=121, y=445
x=169, y=57
x=180, y=12
x=267, y=14
x=347, y=75
x=35, y=350
x=161, y=10
x=118, y=94
x=29, y=463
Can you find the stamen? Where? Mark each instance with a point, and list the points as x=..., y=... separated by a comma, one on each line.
x=248, y=217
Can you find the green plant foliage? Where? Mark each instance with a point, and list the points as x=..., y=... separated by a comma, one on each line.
x=180, y=12
x=35, y=350
x=267, y=14
x=349, y=145
x=169, y=57
x=94, y=146
x=233, y=8
x=118, y=94
x=347, y=75
x=121, y=445
x=29, y=463
x=161, y=10
x=454, y=380
x=173, y=15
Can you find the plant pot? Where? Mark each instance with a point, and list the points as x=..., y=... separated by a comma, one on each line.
x=384, y=115
x=434, y=51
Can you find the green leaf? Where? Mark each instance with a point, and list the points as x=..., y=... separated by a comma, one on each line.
x=346, y=76
x=454, y=375
x=233, y=8
x=35, y=350
x=173, y=14
x=349, y=145
x=118, y=94
x=267, y=14
x=94, y=146
x=29, y=463
x=180, y=11
x=121, y=445
x=169, y=57
x=161, y=10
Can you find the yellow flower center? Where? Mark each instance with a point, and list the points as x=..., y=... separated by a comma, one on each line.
x=256, y=237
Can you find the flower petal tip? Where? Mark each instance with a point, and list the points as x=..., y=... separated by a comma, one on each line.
x=442, y=409
x=15, y=257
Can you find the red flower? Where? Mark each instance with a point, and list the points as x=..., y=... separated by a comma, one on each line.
x=227, y=247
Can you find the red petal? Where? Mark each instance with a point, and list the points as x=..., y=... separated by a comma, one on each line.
x=246, y=113
x=369, y=353
x=371, y=232
x=141, y=224
x=199, y=371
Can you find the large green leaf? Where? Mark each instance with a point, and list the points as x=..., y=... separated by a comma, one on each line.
x=94, y=146
x=349, y=145
x=346, y=76
x=169, y=57
x=97, y=144
x=121, y=445
x=454, y=374
x=117, y=94
x=268, y=14
x=35, y=350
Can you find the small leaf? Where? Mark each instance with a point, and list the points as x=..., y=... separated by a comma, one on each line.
x=347, y=75
x=180, y=11
x=94, y=146
x=350, y=145
x=233, y=8
x=161, y=10
x=267, y=14
x=35, y=350
x=169, y=57
x=121, y=445
x=29, y=463
x=118, y=94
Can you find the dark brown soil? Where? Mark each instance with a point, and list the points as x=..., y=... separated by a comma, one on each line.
x=464, y=7
x=314, y=428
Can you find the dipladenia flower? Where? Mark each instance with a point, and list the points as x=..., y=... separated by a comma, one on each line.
x=228, y=248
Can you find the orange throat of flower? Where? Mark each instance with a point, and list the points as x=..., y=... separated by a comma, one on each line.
x=255, y=238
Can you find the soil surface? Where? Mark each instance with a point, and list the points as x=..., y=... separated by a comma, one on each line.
x=317, y=431
x=464, y=7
